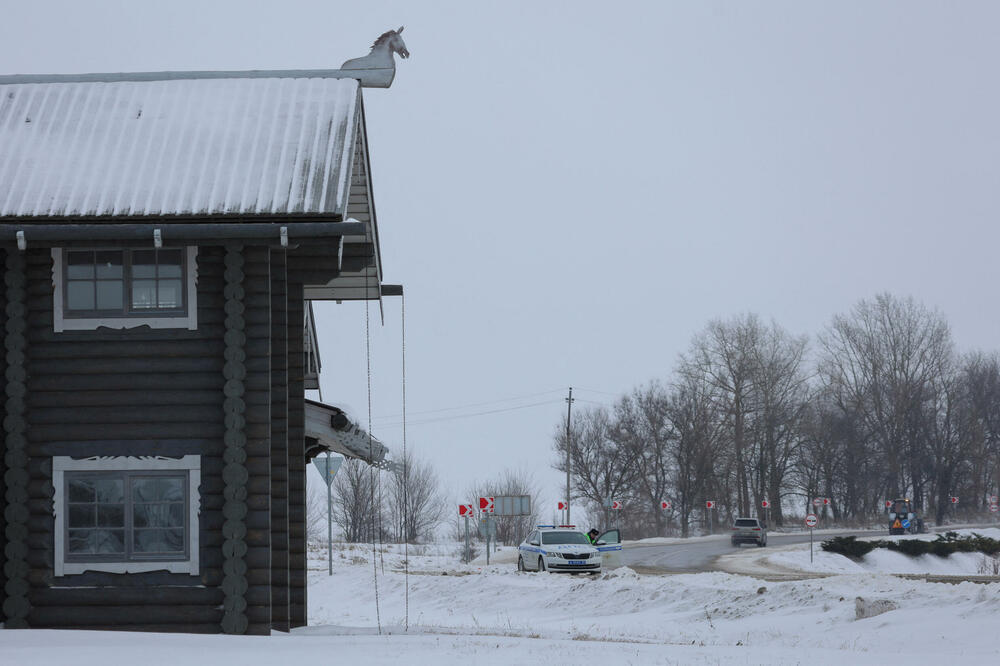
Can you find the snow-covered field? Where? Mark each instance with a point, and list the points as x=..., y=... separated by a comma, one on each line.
x=492, y=615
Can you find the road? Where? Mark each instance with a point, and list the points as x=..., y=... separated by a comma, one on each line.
x=699, y=554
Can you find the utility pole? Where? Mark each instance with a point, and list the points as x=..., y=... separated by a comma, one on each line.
x=569, y=413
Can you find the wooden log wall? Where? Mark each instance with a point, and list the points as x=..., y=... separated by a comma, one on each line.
x=3, y=468
x=146, y=392
x=279, y=441
x=257, y=285
x=164, y=392
x=16, y=605
x=297, y=556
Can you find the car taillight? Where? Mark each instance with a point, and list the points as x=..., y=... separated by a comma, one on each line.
x=756, y=529
x=735, y=528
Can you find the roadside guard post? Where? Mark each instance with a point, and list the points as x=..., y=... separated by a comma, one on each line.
x=487, y=505
x=465, y=511
x=811, y=523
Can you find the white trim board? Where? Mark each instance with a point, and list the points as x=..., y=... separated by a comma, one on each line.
x=63, y=464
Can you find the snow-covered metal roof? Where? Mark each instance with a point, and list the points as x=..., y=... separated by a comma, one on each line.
x=177, y=147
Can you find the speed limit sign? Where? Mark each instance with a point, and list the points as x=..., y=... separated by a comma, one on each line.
x=811, y=520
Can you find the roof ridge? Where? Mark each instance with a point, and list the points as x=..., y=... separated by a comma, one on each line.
x=116, y=77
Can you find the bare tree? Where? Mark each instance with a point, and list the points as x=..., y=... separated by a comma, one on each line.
x=885, y=359
x=780, y=396
x=355, y=502
x=696, y=439
x=415, y=498
x=601, y=468
x=725, y=355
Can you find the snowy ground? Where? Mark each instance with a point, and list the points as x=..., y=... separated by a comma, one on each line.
x=492, y=615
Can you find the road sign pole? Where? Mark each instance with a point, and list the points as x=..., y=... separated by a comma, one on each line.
x=329, y=520
x=488, y=516
x=468, y=555
x=810, y=545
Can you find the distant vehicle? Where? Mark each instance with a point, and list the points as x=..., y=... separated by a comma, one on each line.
x=749, y=530
x=903, y=518
x=565, y=549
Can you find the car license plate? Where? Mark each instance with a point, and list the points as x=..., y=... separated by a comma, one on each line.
x=577, y=562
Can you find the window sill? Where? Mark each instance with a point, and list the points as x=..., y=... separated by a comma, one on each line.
x=190, y=322
x=186, y=567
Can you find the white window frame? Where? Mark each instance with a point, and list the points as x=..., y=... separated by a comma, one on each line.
x=63, y=323
x=63, y=464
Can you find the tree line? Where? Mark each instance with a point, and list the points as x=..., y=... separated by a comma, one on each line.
x=879, y=406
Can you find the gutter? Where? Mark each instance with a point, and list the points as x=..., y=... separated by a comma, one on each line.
x=158, y=232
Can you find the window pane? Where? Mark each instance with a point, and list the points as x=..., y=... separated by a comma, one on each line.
x=151, y=515
x=109, y=264
x=176, y=518
x=158, y=541
x=143, y=264
x=144, y=294
x=111, y=515
x=80, y=295
x=96, y=542
x=82, y=515
x=170, y=263
x=158, y=489
x=81, y=490
x=109, y=295
x=108, y=541
x=80, y=265
x=170, y=294
x=110, y=491
x=79, y=542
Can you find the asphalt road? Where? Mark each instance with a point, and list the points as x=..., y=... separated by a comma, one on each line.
x=699, y=554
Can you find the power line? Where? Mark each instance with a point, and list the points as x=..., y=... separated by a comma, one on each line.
x=472, y=415
x=473, y=404
x=580, y=388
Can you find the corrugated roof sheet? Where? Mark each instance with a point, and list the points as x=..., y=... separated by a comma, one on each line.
x=202, y=146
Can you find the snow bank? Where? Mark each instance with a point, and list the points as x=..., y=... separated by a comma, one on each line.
x=795, y=559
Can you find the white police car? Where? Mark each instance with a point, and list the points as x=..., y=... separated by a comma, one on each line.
x=565, y=549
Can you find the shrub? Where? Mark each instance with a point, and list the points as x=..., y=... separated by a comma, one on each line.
x=943, y=546
x=849, y=546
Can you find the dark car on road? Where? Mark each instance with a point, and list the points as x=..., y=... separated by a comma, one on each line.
x=749, y=530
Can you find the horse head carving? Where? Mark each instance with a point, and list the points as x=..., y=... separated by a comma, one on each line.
x=379, y=58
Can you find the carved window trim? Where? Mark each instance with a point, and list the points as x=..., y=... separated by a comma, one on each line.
x=65, y=566
x=61, y=322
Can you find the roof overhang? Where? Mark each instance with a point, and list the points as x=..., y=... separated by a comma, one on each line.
x=360, y=275
x=334, y=430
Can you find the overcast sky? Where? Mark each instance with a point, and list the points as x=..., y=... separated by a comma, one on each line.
x=570, y=191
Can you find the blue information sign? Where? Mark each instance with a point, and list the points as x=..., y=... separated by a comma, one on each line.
x=906, y=523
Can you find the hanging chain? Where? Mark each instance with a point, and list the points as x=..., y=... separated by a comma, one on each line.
x=406, y=479
x=371, y=447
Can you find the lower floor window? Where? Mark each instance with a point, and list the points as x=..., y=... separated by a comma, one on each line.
x=126, y=514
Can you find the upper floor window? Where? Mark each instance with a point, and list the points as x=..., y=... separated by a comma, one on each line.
x=124, y=282
x=124, y=288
